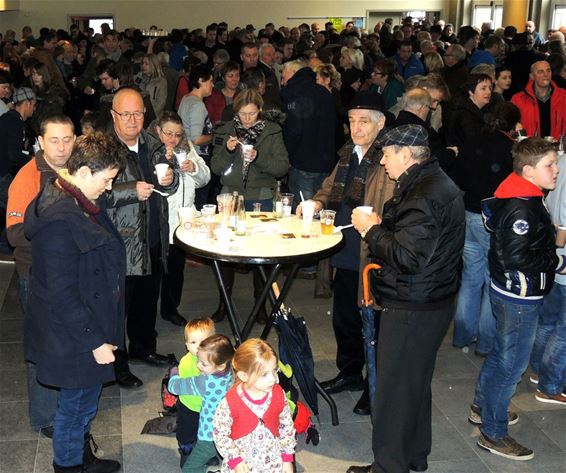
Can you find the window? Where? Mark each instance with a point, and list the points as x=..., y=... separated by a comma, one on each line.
x=484, y=13
x=559, y=17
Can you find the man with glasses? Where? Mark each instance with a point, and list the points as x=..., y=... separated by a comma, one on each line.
x=141, y=217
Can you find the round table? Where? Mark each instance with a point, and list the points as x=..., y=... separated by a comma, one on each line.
x=268, y=241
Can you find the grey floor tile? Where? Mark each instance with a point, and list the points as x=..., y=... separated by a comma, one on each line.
x=447, y=443
x=108, y=420
x=553, y=423
x=457, y=466
x=18, y=456
x=11, y=355
x=150, y=453
x=14, y=385
x=452, y=364
x=14, y=423
x=453, y=396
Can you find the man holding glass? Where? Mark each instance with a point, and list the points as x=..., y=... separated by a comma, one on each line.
x=141, y=217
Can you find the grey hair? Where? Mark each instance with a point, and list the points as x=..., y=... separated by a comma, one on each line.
x=265, y=46
x=221, y=55
x=201, y=56
x=295, y=65
x=415, y=99
x=458, y=51
x=355, y=55
x=487, y=69
x=376, y=115
x=163, y=58
x=418, y=153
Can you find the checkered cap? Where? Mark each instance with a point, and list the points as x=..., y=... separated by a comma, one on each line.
x=405, y=135
x=22, y=94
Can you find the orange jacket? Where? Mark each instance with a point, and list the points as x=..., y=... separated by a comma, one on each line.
x=530, y=117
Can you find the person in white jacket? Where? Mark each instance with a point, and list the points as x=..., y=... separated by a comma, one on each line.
x=194, y=174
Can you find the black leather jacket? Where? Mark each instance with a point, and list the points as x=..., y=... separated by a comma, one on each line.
x=522, y=256
x=420, y=240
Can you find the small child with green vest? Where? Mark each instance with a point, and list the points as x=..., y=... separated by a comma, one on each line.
x=189, y=406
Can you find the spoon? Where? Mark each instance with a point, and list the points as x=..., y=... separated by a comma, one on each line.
x=164, y=194
x=339, y=228
x=229, y=170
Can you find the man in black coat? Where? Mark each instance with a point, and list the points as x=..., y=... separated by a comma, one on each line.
x=419, y=242
x=309, y=128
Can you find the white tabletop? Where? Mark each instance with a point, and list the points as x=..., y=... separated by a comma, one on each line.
x=264, y=242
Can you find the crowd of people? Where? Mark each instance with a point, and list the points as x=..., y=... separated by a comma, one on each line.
x=436, y=130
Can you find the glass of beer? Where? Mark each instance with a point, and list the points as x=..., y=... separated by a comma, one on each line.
x=327, y=221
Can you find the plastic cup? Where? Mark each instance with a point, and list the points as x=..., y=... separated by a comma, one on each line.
x=561, y=236
x=208, y=211
x=287, y=204
x=246, y=150
x=327, y=221
x=367, y=209
x=257, y=207
x=185, y=216
x=161, y=170
x=181, y=157
x=225, y=203
x=307, y=208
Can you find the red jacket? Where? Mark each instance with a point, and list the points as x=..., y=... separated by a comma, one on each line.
x=245, y=421
x=530, y=118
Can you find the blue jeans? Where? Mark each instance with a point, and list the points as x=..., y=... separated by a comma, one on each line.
x=474, y=318
x=307, y=182
x=42, y=402
x=502, y=369
x=549, y=352
x=77, y=408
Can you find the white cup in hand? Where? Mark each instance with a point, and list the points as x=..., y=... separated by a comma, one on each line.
x=161, y=170
x=181, y=157
x=247, y=151
x=367, y=209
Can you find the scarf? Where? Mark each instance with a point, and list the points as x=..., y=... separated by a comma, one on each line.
x=249, y=136
x=356, y=190
x=84, y=204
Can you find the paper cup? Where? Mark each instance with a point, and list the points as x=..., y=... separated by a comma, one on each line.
x=161, y=170
x=246, y=150
x=181, y=157
x=367, y=209
x=561, y=236
x=185, y=216
x=287, y=204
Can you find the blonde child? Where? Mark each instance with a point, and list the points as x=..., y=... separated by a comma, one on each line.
x=214, y=356
x=253, y=427
x=189, y=406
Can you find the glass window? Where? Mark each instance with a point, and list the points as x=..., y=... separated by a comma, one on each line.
x=559, y=18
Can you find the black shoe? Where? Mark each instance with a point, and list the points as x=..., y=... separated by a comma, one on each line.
x=419, y=466
x=127, y=380
x=342, y=383
x=175, y=319
x=47, y=431
x=93, y=464
x=155, y=359
x=67, y=469
x=219, y=314
x=362, y=407
x=360, y=469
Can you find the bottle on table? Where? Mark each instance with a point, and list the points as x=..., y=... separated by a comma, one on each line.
x=241, y=217
x=234, y=211
x=277, y=204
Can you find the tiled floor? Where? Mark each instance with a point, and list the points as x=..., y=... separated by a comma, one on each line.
x=123, y=413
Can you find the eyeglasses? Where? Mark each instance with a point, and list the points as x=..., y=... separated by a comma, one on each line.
x=126, y=116
x=376, y=73
x=247, y=115
x=171, y=134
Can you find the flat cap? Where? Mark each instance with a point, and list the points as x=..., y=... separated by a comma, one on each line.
x=405, y=135
x=22, y=94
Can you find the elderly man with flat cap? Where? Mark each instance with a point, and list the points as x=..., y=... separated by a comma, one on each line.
x=357, y=180
x=419, y=241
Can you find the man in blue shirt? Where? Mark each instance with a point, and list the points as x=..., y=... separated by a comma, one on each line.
x=408, y=64
x=494, y=46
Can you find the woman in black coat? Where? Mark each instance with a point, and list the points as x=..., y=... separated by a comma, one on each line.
x=75, y=319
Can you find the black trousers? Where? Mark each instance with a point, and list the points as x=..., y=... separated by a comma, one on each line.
x=187, y=424
x=172, y=281
x=401, y=410
x=142, y=294
x=347, y=323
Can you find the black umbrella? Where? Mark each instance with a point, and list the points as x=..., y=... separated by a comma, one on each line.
x=369, y=331
x=295, y=350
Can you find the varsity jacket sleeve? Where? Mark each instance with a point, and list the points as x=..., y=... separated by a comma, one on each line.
x=194, y=386
x=518, y=253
